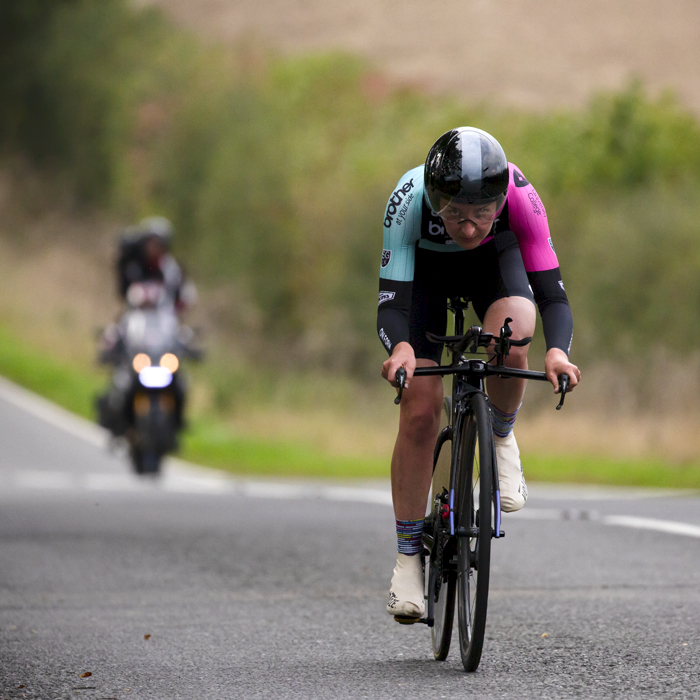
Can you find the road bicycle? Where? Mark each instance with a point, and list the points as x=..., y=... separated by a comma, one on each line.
x=465, y=510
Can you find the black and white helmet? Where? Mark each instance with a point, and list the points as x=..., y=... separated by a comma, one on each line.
x=466, y=166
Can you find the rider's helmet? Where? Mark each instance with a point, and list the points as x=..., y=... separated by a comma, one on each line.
x=156, y=227
x=466, y=166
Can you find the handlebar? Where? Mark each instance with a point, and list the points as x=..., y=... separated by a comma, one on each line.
x=474, y=339
x=481, y=367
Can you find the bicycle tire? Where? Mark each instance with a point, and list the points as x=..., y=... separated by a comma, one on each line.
x=444, y=602
x=474, y=551
x=444, y=613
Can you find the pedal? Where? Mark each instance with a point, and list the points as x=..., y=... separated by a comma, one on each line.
x=406, y=620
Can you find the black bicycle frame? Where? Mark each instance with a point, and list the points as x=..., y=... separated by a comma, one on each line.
x=468, y=378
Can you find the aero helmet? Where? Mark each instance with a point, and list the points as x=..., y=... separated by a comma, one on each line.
x=466, y=166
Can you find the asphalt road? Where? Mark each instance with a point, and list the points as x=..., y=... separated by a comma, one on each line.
x=200, y=586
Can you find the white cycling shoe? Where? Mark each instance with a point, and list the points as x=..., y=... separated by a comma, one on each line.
x=406, y=601
x=511, y=479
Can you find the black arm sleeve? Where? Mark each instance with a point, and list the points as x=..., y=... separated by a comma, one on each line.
x=392, y=317
x=557, y=321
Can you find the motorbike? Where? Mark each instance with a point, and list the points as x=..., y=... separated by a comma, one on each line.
x=145, y=403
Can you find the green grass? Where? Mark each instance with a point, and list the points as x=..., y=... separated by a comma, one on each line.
x=70, y=385
x=583, y=469
x=217, y=445
x=208, y=442
x=211, y=442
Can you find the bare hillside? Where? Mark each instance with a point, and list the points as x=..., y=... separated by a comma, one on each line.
x=525, y=53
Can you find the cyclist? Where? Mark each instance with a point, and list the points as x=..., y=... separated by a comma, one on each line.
x=468, y=224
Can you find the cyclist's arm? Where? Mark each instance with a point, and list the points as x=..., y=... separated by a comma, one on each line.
x=402, y=219
x=393, y=328
x=528, y=220
x=392, y=315
x=551, y=299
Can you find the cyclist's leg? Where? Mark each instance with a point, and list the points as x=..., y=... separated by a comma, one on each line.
x=507, y=394
x=419, y=421
x=411, y=473
x=412, y=460
x=507, y=293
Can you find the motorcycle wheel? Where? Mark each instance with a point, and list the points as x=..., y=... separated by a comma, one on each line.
x=145, y=462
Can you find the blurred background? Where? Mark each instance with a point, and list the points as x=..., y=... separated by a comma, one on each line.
x=272, y=133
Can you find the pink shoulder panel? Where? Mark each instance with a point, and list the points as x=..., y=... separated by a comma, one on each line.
x=528, y=220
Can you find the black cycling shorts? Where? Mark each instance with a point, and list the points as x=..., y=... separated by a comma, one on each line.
x=490, y=272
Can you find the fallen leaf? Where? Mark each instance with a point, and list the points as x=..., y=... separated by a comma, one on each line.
x=545, y=635
x=87, y=674
x=146, y=636
x=21, y=686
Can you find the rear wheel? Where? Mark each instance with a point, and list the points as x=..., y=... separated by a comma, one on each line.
x=474, y=517
x=443, y=610
x=442, y=578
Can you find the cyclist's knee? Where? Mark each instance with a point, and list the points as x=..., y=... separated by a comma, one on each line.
x=519, y=309
x=421, y=417
x=517, y=357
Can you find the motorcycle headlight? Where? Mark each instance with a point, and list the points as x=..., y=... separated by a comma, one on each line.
x=155, y=377
x=170, y=362
x=140, y=362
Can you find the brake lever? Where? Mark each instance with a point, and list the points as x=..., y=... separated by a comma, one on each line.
x=401, y=381
x=563, y=388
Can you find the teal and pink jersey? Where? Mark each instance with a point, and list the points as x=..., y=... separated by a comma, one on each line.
x=409, y=224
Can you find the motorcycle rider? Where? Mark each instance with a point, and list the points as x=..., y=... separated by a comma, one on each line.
x=144, y=263
x=144, y=256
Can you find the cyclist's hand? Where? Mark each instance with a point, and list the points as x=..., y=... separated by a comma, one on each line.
x=402, y=356
x=556, y=362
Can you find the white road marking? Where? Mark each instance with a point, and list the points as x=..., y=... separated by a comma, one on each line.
x=52, y=414
x=669, y=526
x=181, y=477
x=44, y=480
x=535, y=514
x=178, y=479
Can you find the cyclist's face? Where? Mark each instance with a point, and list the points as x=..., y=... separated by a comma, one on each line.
x=468, y=224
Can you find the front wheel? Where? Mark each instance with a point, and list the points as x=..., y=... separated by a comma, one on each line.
x=145, y=462
x=474, y=517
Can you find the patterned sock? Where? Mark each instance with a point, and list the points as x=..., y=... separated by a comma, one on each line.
x=502, y=422
x=408, y=533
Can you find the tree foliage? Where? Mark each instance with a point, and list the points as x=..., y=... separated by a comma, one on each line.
x=276, y=171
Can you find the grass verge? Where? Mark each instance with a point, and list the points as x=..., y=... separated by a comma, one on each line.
x=585, y=469
x=217, y=445
x=69, y=385
x=213, y=443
